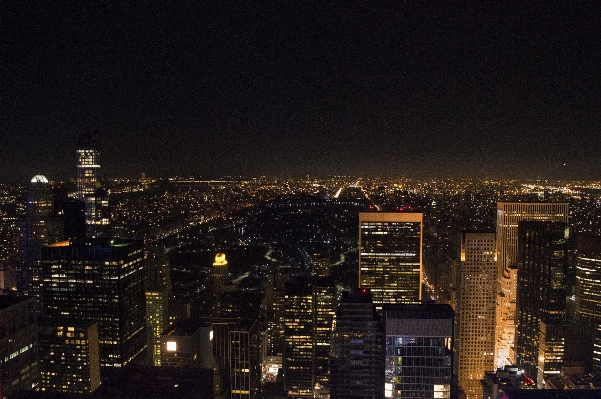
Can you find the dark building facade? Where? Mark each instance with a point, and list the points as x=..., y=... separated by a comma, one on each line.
x=541, y=297
x=588, y=296
x=357, y=354
x=19, y=366
x=99, y=281
x=38, y=227
x=418, y=351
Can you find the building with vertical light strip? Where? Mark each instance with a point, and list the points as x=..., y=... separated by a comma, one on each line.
x=509, y=214
x=390, y=256
x=245, y=370
x=158, y=293
x=476, y=311
x=588, y=290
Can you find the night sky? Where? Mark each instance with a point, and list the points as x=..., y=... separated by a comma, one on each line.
x=415, y=89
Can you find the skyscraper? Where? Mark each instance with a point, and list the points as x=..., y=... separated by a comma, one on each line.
x=324, y=302
x=40, y=226
x=95, y=200
x=245, y=367
x=219, y=274
x=418, y=351
x=390, y=256
x=357, y=355
x=102, y=281
x=158, y=293
x=476, y=310
x=298, y=338
x=541, y=297
x=509, y=214
x=588, y=291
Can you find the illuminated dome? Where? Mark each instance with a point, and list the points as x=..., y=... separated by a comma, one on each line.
x=39, y=179
x=220, y=260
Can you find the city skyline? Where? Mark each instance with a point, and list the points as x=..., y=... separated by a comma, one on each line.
x=500, y=91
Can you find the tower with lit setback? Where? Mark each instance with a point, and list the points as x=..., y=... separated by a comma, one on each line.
x=509, y=214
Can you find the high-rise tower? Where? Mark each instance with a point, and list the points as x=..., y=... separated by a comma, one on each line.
x=419, y=351
x=102, y=281
x=390, y=256
x=476, y=310
x=158, y=294
x=509, y=214
x=541, y=297
x=588, y=291
x=357, y=355
x=37, y=228
x=298, y=337
x=96, y=203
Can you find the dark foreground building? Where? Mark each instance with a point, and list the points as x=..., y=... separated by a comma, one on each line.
x=357, y=355
x=99, y=281
x=419, y=356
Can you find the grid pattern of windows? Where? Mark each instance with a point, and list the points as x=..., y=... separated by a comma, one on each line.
x=541, y=293
x=476, y=310
x=69, y=359
x=588, y=288
x=298, y=338
x=390, y=256
x=419, y=357
x=103, y=283
x=509, y=214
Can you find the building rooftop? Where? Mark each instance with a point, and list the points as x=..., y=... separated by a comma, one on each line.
x=184, y=327
x=9, y=300
x=418, y=311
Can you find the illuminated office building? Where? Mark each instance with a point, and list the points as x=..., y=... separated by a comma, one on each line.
x=158, y=293
x=509, y=214
x=95, y=199
x=324, y=301
x=418, y=351
x=321, y=263
x=476, y=310
x=298, y=338
x=588, y=290
x=69, y=357
x=19, y=366
x=357, y=355
x=102, y=281
x=40, y=226
x=390, y=256
x=541, y=297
